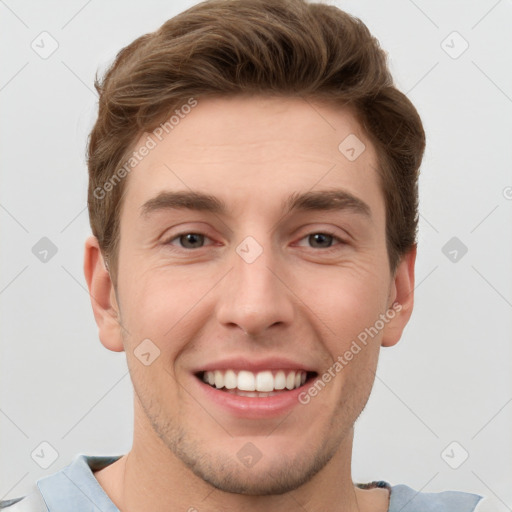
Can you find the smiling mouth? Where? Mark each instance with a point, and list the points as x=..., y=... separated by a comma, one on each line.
x=256, y=384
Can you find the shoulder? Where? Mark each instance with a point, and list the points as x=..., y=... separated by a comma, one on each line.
x=405, y=499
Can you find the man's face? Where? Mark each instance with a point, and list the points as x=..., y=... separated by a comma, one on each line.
x=254, y=288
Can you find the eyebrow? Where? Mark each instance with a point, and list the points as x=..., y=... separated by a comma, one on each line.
x=320, y=200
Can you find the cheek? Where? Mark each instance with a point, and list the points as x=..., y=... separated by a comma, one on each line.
x=347, y=299
x=156, y=299
x=166, y=306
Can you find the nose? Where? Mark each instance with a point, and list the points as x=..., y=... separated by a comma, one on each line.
x=255, y=295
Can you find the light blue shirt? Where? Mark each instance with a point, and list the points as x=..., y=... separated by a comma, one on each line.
x=75, y=488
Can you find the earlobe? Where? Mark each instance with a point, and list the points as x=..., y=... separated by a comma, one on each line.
x=401, y=299
x=103, y=298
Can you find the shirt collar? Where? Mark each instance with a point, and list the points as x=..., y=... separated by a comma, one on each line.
x=77, y=484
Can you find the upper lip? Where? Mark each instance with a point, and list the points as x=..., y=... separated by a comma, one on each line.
x=252, y=365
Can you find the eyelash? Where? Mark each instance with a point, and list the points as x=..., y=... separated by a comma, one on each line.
x=340, y=241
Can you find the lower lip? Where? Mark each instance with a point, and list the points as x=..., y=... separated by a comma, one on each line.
x=253, y=407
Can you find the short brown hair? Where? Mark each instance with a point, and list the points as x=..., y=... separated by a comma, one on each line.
x=270, y=47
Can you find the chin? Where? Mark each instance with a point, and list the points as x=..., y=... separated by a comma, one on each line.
x=277, y=479
x=270, y=475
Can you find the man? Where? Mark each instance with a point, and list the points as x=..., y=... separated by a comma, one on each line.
x=253, y=201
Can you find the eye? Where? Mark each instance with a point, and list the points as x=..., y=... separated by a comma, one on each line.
x=191, y=240
x=321, y=240
x=188, y=240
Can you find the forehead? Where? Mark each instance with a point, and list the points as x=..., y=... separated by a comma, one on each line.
x=253, y=150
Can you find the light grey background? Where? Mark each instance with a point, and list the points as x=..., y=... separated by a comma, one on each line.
x=449, y=378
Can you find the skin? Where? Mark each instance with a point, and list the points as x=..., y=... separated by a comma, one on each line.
x=295, y=300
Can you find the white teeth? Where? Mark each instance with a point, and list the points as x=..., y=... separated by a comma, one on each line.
x=255, y=384
x=219, y=379
x=265, y=381
x=290, y=380
x=230, y=380
x=246, y=381
x=250, y=393
x=280, y=380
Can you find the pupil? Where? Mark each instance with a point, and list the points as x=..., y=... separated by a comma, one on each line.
x=191, y=239
x=321, y=238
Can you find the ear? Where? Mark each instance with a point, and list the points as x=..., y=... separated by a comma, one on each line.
x=401, y=299
x=103, y=297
